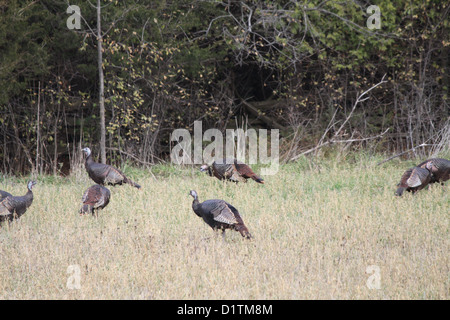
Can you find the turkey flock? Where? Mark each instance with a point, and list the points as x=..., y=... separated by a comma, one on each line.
x=218, y=214
x=418, y=177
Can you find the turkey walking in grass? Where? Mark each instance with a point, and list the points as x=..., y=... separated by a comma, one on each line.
x=14, y=207
x=219, y=215
x=94, y=198
x=104, y=174
x=413, y=180
x=232, y=170
x=439, y=168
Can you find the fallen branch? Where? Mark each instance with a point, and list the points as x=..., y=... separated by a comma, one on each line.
x=358, y=100
x=147, y=164
x=133, y=157
x=271, y=123
x=337, y=141
x=321, y=144
x=402, y=153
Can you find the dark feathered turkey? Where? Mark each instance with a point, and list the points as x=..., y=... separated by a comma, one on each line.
x=413, y=180
x=439, y=168
x=94, y=198
x=13, y=207
x=104, y=173
x=231, y=169
x=219, y=215
x=4, y=194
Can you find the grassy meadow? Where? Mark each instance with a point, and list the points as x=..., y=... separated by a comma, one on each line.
x=317, y=227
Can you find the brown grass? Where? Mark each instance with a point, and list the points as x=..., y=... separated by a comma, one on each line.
x=315, y=234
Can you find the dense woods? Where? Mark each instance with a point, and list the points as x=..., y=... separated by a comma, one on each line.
x=296, y=66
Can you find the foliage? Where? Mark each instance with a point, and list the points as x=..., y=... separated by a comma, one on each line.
x=169, y=63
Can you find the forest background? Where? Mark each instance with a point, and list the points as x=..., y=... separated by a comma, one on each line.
x=296, y=66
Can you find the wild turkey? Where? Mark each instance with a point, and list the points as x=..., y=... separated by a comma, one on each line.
x=94, y=198
x=231, y=169
x=4, y=194
x=14, y=207
x=439, y=168
x=413, y=180
x=219, y=214
x=104, y=173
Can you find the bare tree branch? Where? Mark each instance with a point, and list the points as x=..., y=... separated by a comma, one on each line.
x=337, y=141
x=359, y=98
x=402, y=153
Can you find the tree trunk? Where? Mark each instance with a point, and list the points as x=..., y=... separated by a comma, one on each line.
x=55, y=141
x=101, y=86
x=38, y=129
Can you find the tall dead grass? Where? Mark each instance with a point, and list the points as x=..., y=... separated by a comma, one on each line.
x=317, y=229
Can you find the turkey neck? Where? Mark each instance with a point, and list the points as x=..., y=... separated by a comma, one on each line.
x=28, y=197
x=89, y=160
x=196, y=206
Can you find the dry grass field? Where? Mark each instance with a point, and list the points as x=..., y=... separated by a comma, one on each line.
x=317, y=228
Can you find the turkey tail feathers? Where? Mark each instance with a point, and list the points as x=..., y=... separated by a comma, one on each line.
x=131, y=182
x=258, y=179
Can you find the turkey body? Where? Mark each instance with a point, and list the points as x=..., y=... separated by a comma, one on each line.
x=94, y=198
x=232, y=170
x=219, y=215
x=439, y=168
x=413, y=180
x=13, y=207
x=104, y=174
x=4, y=194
